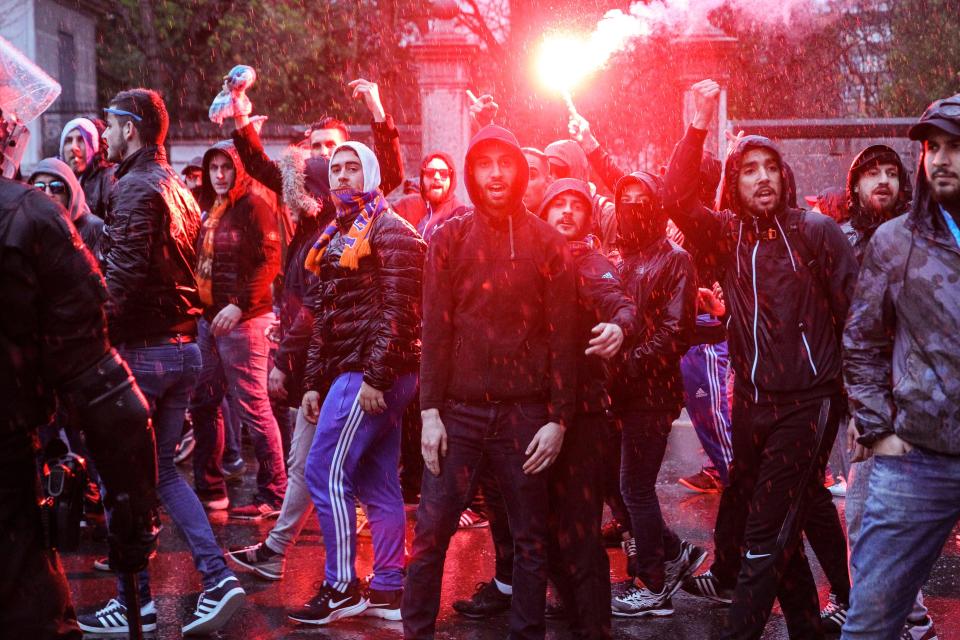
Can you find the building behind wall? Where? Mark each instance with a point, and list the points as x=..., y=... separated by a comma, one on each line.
x=60, y=37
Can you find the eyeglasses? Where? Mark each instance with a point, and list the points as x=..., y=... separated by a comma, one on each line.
x=948, y=107
x=443, y=174
x=56, y=187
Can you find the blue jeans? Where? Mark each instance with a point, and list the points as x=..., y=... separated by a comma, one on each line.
x=167, y=375
x=236, y=361
x=912, y=506
x=482, y=438
x=357, y=455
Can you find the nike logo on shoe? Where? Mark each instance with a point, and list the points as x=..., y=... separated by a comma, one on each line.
x=755, y=556
x=334, y=605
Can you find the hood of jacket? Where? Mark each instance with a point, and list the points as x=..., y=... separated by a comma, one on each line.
x=447, y=160
x=305, y=184
x=241, y=183
x=570, y=153
x=730, y=194
x=643, y=225
x=487, y=134
x=564, y=185
x=874, y=154
x=78, y=201
x=368, y=163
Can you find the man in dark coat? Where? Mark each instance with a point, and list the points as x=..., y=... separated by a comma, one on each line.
x=787, y=276
x=497, y=377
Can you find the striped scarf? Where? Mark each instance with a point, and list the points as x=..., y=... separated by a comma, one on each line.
x=364, y=208
x=205, y=259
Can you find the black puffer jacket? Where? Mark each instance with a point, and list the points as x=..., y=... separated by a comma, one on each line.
x=499, y=305
x=246, y=245
x=367, y=319
x=52, y=287
x=149, y=250
x=785, y=319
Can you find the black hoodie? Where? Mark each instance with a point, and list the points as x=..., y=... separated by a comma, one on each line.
x=785, y=314
x=600, y=297
x=499, y=302
x=861, y=225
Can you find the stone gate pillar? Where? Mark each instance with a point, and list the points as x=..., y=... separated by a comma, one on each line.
x=443, y=60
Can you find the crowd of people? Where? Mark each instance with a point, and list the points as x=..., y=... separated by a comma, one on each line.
x=517, y=359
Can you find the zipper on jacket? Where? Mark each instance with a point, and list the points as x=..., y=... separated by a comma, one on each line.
x=513, y=253
x=806, y=344
x=756, y=318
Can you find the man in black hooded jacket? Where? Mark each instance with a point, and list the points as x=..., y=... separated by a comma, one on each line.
x=498, y=375
x=788, y=277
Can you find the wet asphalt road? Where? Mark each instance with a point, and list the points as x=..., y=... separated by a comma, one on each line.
x=176, y=585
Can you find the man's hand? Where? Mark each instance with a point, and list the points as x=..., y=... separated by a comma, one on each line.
x=371, y=97
x=272, y=332
x=226, y=320
x=371, y=400
x=484, y=110
x=856, y=451
x=544, y=448
x=708, y=302
x=311, y=406
x=706, y=97
x=608, y=340
x=892, y=445
x=579, y=130
x=276, y=384
x=433, y=440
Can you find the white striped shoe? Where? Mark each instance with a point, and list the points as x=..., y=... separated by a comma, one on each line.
x=112, y=618
x=215, y=607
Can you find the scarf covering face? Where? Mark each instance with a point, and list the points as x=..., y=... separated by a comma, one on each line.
x=361, y=207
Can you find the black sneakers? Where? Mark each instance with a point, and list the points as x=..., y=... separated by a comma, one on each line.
x=833, y=615
x=707, y=586
x=329, y=605
x=384, y=604
x=683, y=566
x=487, y=601
x=215, y=607
x=260, y=559
x=112, y=618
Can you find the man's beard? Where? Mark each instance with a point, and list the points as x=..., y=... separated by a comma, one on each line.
x=118, y=153
x=948, y=196
x=880, y=212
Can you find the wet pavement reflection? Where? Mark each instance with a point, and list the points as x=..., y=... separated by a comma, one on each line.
x=176, y=584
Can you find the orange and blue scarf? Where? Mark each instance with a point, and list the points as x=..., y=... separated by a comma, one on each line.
x=365, y=208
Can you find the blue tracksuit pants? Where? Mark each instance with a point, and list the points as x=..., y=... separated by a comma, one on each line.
x=704, y=371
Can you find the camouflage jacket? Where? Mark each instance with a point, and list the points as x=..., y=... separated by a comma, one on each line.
x=902, y=337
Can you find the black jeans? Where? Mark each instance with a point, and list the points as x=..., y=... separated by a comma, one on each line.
x=644, y=442
x=34, y=596
x=578, y=565
x=778, y=463
x=611, y=448
x=482, y=436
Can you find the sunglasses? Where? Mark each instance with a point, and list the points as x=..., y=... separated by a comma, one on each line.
x=444, y=174
x=947, y=107
x=55, y=187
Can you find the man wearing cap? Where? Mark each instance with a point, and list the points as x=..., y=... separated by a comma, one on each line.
x=902, y=372
x=80, y=149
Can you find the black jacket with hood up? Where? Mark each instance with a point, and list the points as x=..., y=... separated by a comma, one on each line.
x=661, y=279
x=499, y=304
x=785, y=318
x=246, y=244
x=861, y=225
x=149, y=250
x=600, y=298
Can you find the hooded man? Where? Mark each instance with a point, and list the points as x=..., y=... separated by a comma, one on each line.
x=238, y=259
x=80, y=150
x=577, y=561
x=902, y=369
x=436, y=201
x=567, y=160
x=539, y=167
x=497, y=378
x=877, y=190
x=787, y=276
x=57, y=180
x=648, y=392
x=361, y=373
